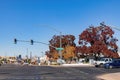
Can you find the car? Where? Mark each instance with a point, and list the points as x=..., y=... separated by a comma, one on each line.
x=102, y=61
x=61, y=61
x=54, y=63
x=82, y=60
x=25, y=63
x=114, y=64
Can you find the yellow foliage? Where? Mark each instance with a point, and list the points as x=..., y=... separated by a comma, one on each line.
x=55, y=55
x=68, y=52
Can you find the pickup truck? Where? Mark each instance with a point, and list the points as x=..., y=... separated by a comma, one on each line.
x=102, y=61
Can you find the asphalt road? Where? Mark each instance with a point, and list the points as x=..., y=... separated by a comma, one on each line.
x=18, y=72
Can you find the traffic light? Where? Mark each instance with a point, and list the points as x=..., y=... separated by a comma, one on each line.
x=15, y=41
x=31, y=42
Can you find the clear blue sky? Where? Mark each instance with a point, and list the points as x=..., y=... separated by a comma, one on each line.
x=24, y=20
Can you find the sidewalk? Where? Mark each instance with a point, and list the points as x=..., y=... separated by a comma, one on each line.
x=75, y=65
x=111, y=76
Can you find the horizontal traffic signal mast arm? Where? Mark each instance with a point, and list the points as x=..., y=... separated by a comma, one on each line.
x=16, y=40
x=23, y=41
x=32, y=42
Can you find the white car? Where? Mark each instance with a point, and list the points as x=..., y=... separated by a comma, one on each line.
x=102, y=61
x=61, y=61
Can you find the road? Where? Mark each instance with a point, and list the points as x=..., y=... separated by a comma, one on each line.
x=18, y=72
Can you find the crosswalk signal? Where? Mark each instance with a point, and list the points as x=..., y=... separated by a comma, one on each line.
x=15, y=41
x=31, y=42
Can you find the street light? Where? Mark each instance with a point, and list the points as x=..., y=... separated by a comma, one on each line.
x=103, y=24
x=115, y=28
x=60, y=33
x=60, y=46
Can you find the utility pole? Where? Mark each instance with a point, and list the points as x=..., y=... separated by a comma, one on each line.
x=60, y=34
x=60, y=52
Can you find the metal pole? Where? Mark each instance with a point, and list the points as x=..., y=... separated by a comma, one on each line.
x=27, y=51
x=30, y=55
x=27, y=54
x=60, y=52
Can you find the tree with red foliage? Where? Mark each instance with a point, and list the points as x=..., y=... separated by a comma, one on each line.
x=67, y=40
x=97, y=40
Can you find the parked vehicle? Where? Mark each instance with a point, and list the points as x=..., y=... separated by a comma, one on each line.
x=114, y=64
x=102, y=61
x=61, y=61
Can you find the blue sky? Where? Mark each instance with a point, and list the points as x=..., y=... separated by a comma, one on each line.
x=32, y=19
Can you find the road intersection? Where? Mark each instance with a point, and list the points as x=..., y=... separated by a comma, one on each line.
x=25, y=72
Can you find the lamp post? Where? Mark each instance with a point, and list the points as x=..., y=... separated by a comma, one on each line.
x=115, y=28
x=60, y=34
x=60, y=45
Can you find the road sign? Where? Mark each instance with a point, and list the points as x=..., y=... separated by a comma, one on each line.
x=59, y=49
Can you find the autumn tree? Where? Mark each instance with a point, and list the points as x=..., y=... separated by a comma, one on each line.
x=82, y=51
x=98, y=40
x=47, y=53
x=69, y=52
x=67, y=43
